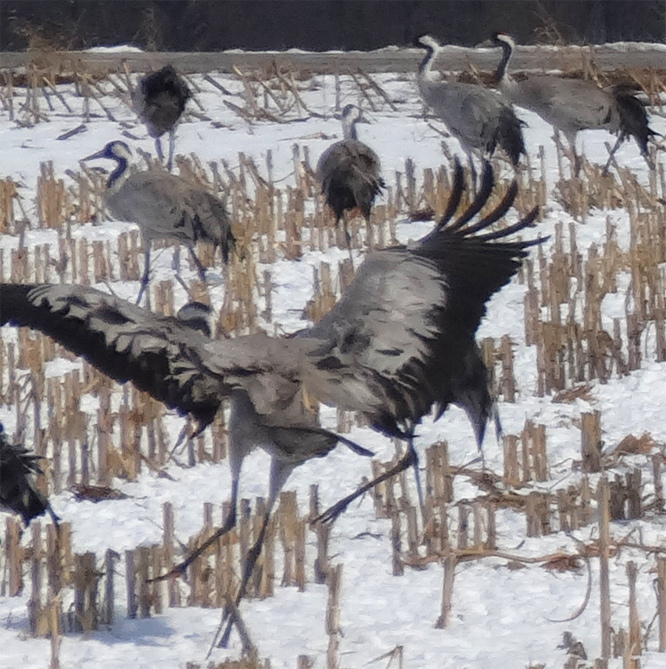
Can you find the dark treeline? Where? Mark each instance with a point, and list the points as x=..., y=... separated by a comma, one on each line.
x=214, y=25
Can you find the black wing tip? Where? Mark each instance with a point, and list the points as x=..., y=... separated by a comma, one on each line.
x=459, y=227
x=17, y=490
x=14, y=297
x=511, y=136
x=634, y=119
x=455, y=195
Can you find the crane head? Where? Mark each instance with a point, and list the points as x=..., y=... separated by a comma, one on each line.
x=352, y=114
x=116, y=150
x=497, y=39
x=196, y=315
x=500, y=38
x=428, y=42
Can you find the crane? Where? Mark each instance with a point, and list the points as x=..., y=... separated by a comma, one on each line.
x=164, y=206
x=349, y=173
x=480, y=119
x=159, y=100
x=572, y=105
x=18, y=492
x=399, y=343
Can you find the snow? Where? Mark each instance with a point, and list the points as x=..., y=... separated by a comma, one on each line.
x=501, y=618
x=121, y=48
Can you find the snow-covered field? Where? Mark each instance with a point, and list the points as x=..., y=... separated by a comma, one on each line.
x=501, y=618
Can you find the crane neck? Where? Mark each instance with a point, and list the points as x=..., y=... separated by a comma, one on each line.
x=349, y=129
x=118, y=177
x=501, y=73
x=425, y=68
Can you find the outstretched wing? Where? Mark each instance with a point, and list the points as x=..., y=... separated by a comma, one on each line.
x=178, y=366
x=401, y=339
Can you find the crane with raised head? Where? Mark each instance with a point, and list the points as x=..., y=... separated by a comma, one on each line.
x=349, y=173
x=164, y=206
x=572, y=105
x=159, y=100
x=480, y=119
x=399, y=343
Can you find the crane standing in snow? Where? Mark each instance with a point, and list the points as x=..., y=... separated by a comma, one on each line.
x=349, y=173
x=164, y=206
x=480, y=119
x=572, y=105
x=159, y=100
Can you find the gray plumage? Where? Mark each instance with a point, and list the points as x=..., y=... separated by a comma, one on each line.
x=291, y=436
x=349, y=172
x=18, y=492
x=159, y=101
x=164, y=206
x=479, y=118
x=572, y=105
x=399, y=343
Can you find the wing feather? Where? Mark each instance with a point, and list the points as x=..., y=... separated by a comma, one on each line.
x=178, y=366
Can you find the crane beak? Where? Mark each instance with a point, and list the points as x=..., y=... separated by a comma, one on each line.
x=486, y=44
x=93, y=156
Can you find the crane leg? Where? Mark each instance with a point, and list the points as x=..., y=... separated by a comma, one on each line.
x=158, y=149
x=578, y=163
x=250, y=562
x=227, y=526
x=278, y=476
x=146, y=273
x=200, y=268
x=345, y=223
x=417, y=476
x=410, y=458
x=172, y=143
x=620, y=139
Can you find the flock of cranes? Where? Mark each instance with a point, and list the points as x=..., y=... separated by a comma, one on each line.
x=572, y=105
x=477, y=117
x=168, y=207
x=482, y=119
x=398, y=345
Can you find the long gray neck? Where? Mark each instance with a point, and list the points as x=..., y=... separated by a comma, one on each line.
x=119, y=175
x=349, y=128
x=501, y=73
x=425, y=68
